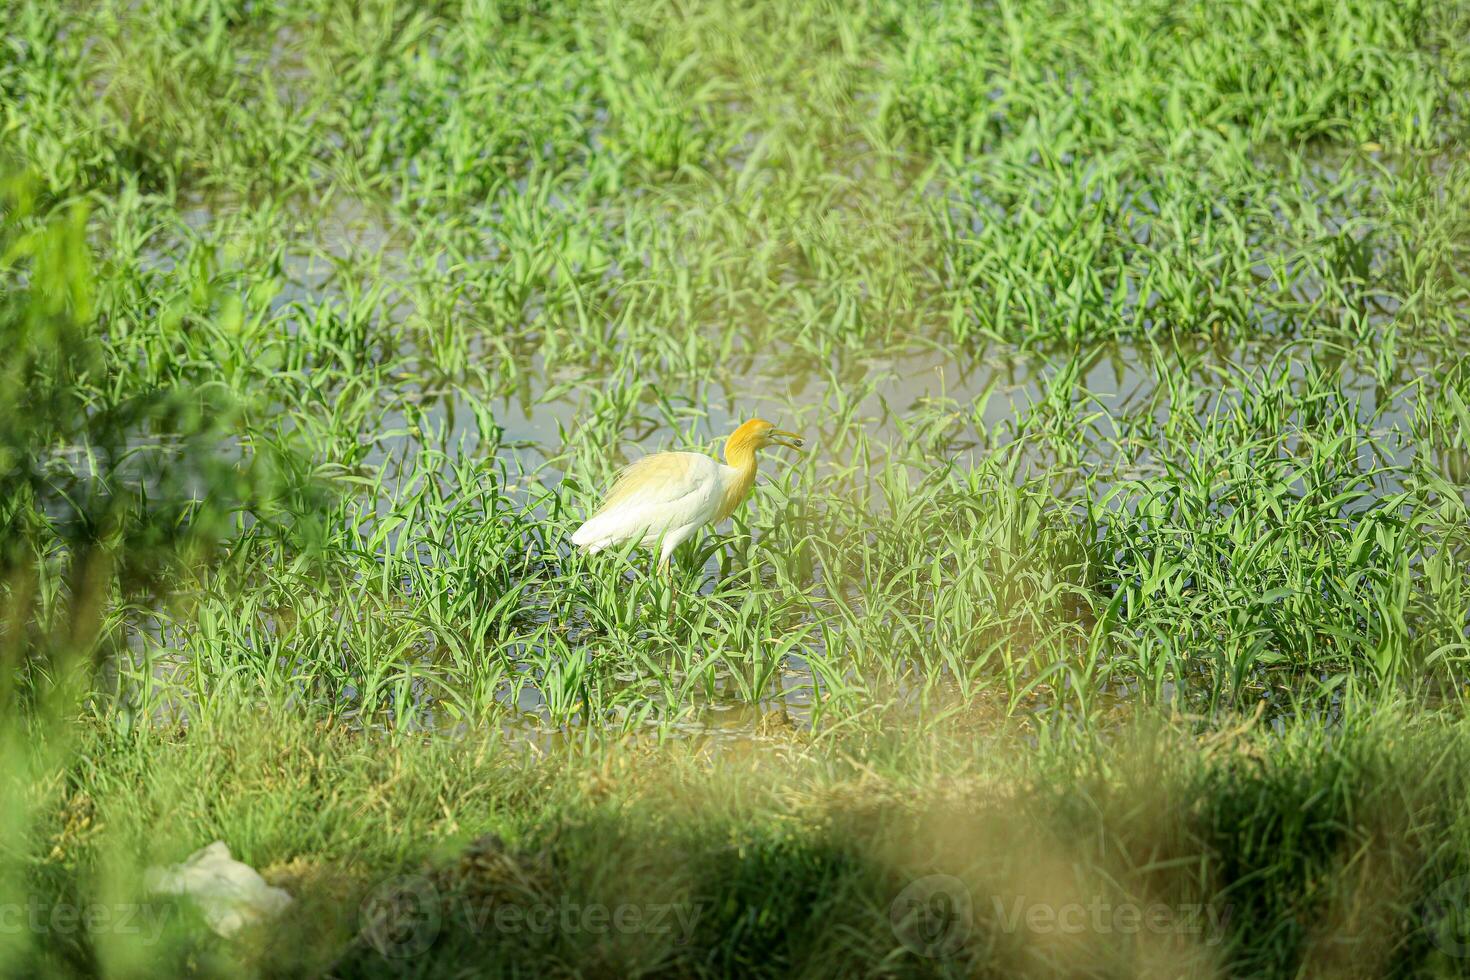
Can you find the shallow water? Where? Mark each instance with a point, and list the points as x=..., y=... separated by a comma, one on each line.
x=983, y=395
x=964, y=400
x=977, y=398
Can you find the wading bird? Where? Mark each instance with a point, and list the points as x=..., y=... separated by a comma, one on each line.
x=666, y=497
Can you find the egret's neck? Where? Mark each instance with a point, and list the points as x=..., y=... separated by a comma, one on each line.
x=741, y=458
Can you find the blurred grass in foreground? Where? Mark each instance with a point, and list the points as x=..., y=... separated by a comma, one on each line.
x=1261, y=854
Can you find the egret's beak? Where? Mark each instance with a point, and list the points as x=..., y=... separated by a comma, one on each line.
x=788, y=439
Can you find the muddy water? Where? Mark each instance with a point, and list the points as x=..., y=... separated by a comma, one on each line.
x=976, y=395
x=985, y=393
x=982, y=389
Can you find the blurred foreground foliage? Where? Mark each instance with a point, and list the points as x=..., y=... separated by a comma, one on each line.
x=108, y=486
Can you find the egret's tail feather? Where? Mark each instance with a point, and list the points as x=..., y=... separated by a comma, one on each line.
x=591, y=537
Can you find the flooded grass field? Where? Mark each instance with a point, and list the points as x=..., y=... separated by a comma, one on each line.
x=1126, y=562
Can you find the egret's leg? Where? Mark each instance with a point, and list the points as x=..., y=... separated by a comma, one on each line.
x=667, y=567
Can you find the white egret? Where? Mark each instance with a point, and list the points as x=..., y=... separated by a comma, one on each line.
x=663, y=498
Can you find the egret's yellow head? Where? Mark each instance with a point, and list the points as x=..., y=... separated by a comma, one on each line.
x=758, y=434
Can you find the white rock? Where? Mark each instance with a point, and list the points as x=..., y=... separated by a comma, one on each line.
x=229, y=893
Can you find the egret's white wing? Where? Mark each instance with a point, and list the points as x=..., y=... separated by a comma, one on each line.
x=658, y=496
x=659, y=478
